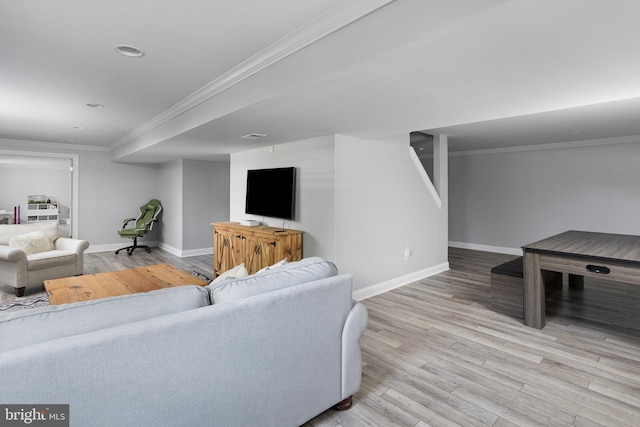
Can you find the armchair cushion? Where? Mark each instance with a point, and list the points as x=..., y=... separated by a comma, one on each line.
x=50, y=259
x=31, y=243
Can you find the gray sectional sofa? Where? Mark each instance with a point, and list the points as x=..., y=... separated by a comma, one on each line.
x=271, y=349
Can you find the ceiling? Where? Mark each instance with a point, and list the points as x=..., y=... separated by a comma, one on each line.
x=488, y=73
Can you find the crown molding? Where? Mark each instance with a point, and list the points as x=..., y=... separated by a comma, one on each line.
x=551, y=146
x=300, y=38
x=50, y=145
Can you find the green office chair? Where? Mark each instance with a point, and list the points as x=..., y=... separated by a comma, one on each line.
x=144, y=223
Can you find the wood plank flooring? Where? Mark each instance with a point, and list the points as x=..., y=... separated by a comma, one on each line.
x=435, y=354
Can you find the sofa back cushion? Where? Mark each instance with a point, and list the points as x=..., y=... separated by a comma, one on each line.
x=290, y=274
x=31, y=243
x=26, y=327
x=50, y=229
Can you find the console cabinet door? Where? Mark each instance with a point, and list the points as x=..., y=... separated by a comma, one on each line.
x=259, y=253
x=257, y=247
x=224, y=249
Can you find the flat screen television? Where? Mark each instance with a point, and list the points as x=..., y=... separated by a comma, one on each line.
x=271, y=192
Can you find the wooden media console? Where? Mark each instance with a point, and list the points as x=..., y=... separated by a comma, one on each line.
x=256, y=246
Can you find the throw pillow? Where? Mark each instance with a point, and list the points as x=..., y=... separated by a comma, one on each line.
x=234, y=273
x=31, y=243
x=271, y=267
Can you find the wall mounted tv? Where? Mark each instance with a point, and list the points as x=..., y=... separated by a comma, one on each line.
x=271, y=192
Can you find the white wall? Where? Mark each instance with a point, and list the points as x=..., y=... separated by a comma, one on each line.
x=194, y=194
x=205, y=200
x=382, y=209
x=18, y=182
x=170, y=194
x=314, y=163
x=109, y=192
x=361, y=204
x=501, y=201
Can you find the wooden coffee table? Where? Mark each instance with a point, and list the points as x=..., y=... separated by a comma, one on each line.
x=113, y=283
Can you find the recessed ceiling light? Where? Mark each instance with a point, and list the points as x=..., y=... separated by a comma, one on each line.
x=130, y=51
x=92, y=105
x=80, y=127
x=253, y=136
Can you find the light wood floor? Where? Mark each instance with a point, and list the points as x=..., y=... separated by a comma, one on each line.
x=435, y=354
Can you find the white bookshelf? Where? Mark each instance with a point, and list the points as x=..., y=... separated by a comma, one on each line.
x=37, y=212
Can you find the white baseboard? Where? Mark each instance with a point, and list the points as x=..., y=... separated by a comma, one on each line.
x=172, y=250
x=184, y=254
x=197, y=252
x=397, y=282
x=486, y=248
x=115, y=246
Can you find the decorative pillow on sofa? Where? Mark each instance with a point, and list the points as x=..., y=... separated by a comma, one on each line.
x=291, y=274
x=271, y=267
x=31, y=243
x=235, y=273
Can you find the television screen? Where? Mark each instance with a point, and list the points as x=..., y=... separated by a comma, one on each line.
x=271, y=192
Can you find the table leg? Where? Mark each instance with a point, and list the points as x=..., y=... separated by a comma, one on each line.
x=534, y=306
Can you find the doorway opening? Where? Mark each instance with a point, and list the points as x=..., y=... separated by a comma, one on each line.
x=52, y=175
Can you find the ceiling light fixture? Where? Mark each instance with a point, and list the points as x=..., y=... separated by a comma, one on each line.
x=130, y=51
x=80, y=127
x=92, y=105
x=254, y=136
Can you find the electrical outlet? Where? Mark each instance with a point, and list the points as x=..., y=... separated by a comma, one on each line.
x=407, y=254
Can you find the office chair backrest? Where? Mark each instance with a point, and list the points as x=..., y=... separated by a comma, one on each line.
x=148, y=214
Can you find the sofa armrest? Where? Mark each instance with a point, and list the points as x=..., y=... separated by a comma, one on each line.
x=73, y=245
x=7, y=253
x=354, y=327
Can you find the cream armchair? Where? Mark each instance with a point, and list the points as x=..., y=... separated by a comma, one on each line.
x=34, y=252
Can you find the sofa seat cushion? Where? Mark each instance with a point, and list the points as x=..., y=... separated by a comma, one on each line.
x=26, y=327
x=291, y=274
x=50, y=259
